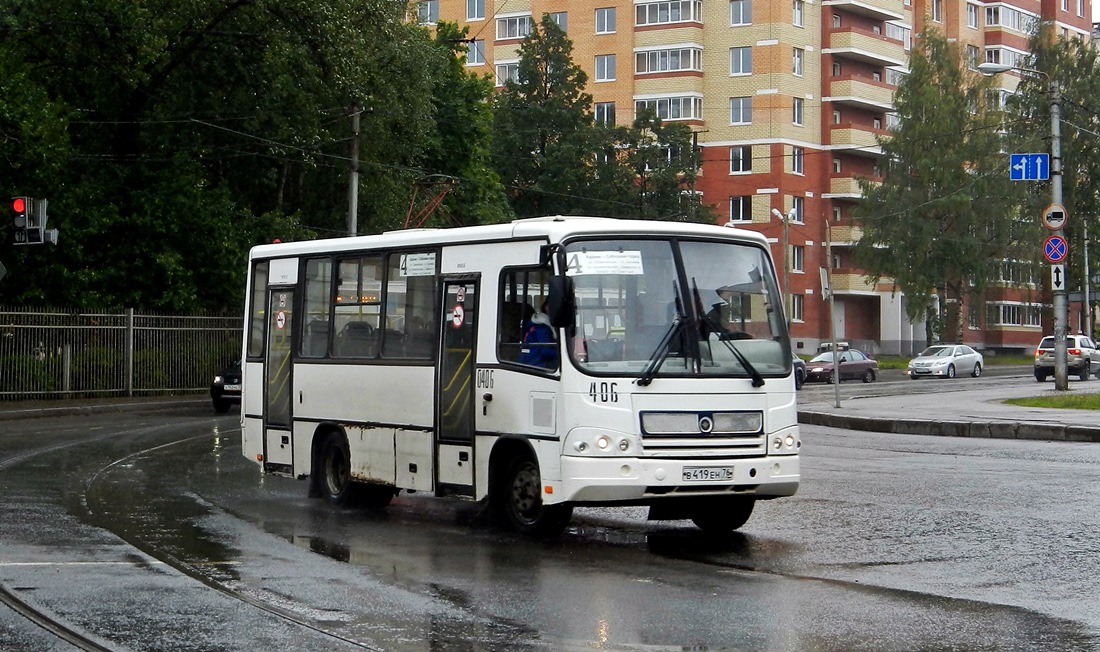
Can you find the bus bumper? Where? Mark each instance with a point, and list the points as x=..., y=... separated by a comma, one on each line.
x=641, y=480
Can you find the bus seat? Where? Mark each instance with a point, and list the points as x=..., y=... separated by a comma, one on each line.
x=316, y=340
x=358, y=339
x=393, y=344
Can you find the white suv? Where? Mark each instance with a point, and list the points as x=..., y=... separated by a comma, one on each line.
x=1082, y=357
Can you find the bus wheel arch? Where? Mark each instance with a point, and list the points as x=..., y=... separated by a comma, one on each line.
x=515, y=492
x=330, y=477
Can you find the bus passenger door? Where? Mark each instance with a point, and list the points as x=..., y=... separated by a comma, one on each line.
x=454, y=412
x=278, y=452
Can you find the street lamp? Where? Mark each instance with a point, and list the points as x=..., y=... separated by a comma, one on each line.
x=1061, y=380
x=786, y=220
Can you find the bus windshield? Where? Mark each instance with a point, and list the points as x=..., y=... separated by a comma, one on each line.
x=651, y=308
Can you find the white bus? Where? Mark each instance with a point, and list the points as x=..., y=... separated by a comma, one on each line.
x=421, y=360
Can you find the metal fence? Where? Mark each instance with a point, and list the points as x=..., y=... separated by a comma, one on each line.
x=60, y=354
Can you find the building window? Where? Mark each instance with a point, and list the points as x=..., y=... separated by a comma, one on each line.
x=740, y=12
x=475, y=53
x=836, y=21
x=798, y=55
x=428, y=12
x=836, y=69
x=836, y=211
x=740, y=110
x=513, y=27
x=797, y=304
x=605, y=20
x=937, y=11
x=740, y=159
x=687, y=107
x=798, y=255
x=798, y=154
x=836, y=117
x=605, y=113
x=836, y=169
x=877, y=123
x=668, y=60
x=741, y=61
x=741, y=208
x=797, y=107
x=663, y=13
x=972, y=53
x=605, y=67
x=561, y=19
x=972, y=15
x=799, y=9
x=507, y=72
x=475, y=9
x=799, y=206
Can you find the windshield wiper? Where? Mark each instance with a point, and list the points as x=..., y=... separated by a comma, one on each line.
x=660, y=354
x=714, y=326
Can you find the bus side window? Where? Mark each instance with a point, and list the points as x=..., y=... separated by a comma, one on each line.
x=513, y=315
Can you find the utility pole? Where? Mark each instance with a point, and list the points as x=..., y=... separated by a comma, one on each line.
x=353, y=174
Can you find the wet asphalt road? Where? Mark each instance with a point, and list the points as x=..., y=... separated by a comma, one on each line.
x=151, y=532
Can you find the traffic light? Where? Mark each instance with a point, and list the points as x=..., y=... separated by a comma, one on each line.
x=23, y=206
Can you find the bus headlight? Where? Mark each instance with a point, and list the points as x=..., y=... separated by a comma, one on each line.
x=601, y=443
x=788, y=443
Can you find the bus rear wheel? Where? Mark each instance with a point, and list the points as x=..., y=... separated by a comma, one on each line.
x=519, y=500
x=723, y=516
x=335, y=466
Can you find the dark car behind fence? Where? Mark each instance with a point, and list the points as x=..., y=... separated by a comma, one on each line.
x=60, y=354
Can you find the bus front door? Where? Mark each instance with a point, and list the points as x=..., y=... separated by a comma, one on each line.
x=278, y=452
x=454, y=411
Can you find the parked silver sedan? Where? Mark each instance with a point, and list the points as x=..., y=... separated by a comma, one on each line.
x=946, y=361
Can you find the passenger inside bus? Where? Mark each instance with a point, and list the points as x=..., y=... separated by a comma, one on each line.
x=540, y=346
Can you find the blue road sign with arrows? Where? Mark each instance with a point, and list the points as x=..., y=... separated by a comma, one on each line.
x=1029, y=167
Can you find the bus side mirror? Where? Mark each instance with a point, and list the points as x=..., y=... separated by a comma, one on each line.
x=561, y=306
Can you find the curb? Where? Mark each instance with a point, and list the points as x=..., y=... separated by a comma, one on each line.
x=979, y=430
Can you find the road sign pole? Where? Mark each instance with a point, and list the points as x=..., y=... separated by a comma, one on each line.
x=1061, y=379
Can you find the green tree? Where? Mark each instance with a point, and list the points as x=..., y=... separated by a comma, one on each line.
x=664, y=163
x=543, y=145
x=170, y=136
x=459, y=151
x=1074, y=66
x=945, y=214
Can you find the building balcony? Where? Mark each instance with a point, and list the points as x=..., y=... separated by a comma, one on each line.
x=876, y=9
x=844, y=188
x=844, y=236
x=866, y=46
x=861, y=140
x=850, y=281
x=864, y=94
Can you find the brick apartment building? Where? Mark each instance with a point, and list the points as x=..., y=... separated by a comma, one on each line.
x=788, y=97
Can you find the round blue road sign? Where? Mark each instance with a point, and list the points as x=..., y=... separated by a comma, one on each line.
x=1055, y=248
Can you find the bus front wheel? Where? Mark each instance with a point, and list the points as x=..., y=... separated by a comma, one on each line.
x=723, y=516
x=519, y=499
x=336, y=483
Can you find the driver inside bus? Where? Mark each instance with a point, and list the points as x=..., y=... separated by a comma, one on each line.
x=540, y=345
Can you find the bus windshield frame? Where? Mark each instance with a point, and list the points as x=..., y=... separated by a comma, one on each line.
x=679, y=307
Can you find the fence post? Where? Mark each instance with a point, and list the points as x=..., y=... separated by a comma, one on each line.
x=129, y=352
x=67, y=368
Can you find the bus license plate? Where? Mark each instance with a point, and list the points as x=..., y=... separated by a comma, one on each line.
x=707, y=473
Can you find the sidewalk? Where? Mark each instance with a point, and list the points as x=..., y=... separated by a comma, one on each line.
x=32, y=409
x=938, y=410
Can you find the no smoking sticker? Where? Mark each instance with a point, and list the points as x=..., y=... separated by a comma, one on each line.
x=457, y=314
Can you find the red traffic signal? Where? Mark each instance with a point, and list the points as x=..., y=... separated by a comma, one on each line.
x=19, y=204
